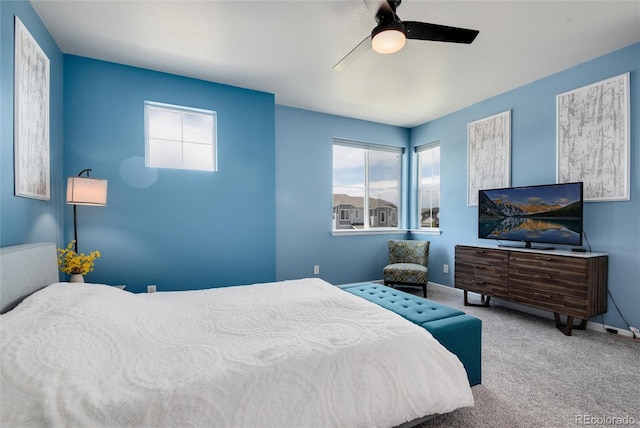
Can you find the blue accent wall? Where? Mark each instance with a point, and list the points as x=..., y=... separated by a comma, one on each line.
x=611, y=227
x=304, y=174
x=25, y=220
x=177, y=229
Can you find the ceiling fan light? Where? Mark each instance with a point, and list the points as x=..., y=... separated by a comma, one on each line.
x=388, y=41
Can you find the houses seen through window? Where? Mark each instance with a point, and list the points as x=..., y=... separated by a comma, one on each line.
x=366, y=179
x=429, y=185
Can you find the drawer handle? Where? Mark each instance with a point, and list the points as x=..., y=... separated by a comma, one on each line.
x=478, y=282
x=537, y=275
x=479, y=266
x=542, y=294
x=547, y=259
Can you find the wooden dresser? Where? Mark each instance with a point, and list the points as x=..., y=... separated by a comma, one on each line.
x=566, y=283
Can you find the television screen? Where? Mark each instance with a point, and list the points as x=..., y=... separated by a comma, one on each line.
x=549, y=214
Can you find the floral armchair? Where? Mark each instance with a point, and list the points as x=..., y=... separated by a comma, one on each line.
x=408, y=264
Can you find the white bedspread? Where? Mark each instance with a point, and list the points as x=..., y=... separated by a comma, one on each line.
x=293, y=353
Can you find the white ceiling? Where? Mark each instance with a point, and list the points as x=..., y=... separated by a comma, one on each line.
x=288, y=48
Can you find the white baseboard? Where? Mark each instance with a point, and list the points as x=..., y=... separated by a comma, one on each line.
x=603, y=329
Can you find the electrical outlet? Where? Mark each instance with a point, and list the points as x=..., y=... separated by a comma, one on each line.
x=316, y=270
x=151, y=288
x=635, y=331
x=445, y=268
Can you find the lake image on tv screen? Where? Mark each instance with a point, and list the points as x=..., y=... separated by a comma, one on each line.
x=550, y=214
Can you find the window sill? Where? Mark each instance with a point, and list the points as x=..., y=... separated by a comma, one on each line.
x=426, y=232
x=376, y=231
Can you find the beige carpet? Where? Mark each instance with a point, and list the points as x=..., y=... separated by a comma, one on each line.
x=534, y=376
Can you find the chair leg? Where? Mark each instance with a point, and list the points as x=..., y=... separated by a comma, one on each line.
x=424, y=290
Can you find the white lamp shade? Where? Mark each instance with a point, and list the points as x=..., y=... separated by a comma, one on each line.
x=388, y=41
x=86, y=191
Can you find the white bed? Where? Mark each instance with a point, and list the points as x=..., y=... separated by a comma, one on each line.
x=293, y=353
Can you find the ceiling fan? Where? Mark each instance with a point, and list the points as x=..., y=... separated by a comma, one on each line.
x=391, y=33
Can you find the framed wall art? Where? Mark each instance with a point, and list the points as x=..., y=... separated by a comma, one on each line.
x=489, y=154
x=593, y=139
x=31, y=116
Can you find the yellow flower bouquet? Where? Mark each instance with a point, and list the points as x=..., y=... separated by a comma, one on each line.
x=73, y=263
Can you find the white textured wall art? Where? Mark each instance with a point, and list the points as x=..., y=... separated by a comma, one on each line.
x=593, y=139
x=489, y=157
x=31, y=116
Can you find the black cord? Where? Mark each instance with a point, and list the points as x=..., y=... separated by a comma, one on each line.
x=587, y=239
x=612, y=300
x=622, y=316
x=609, y=293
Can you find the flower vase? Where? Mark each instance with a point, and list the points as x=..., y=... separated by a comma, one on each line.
x=76, y=277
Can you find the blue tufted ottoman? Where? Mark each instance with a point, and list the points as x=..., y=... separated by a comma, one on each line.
x=458, y=332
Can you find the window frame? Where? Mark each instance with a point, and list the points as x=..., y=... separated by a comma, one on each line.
x=418, y=150
x=367, y=228
x=183, y=111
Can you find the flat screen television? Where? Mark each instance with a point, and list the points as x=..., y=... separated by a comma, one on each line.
x=545, y=214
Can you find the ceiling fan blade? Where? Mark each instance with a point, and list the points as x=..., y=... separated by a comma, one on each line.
x=439, y=33
x=362, y=47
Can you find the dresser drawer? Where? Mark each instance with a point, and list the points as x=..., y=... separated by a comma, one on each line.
x=549, y=300
x=482, y=285
x=549, y=265
x=545, y=281
x=485, y=256
x=483, y=271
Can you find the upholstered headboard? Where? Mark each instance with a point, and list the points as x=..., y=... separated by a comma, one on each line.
x=25, y=269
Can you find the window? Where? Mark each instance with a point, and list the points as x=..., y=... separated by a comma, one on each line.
x=429, y=185
x=366, y=179
x=180, y=137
